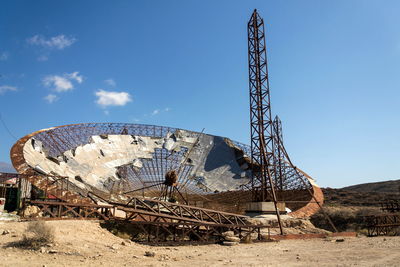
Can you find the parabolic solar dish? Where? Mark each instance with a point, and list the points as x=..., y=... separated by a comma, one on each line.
x=116, y=160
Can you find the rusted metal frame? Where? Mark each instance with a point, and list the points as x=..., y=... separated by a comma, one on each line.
x=190, y=213
x=156, y=234
x=259, y=104
x=179, y=192
x=230, y=219
x=145, y=170
x=137, y=174
x=62, y=140
x=241, y=220
x=191, y=230
x=55, y=143
x=275, y=200
x=45, y=208
x=216, y=228
x=154, y=166
x=278, y=134
x=262, y=132
x=197, y=208
x=248, y=233
x=186, y=222
x=145, y=231
x=141, y=217
x=143, y=212
x=175, y=209
x=159, y=233
x=210, y=217
x=158, y=207
x=226, y=218
x=309, y=191
x=65, y=208
x=172, y=210
x=70, y=138
x=145, y=205
x=156, y=160
x=91, y=211
x=184, y=175
x=129, y=215
x=178, y=235
x=167, y=230
x=36, y=202
x=107, y=213
x=68, y=209
x=188, y=209
x=146, y=187
x=148, y=164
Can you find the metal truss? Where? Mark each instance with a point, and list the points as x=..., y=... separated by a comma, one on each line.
x=178, y=233
x=173, y=212
x=261, y=127
x=157, y=221
x=62, y=210
x=383, y=224
x=280, y=170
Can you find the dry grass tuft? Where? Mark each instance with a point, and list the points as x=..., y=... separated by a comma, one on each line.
x=37, y=234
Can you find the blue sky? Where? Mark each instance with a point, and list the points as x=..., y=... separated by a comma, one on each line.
x=334, y=74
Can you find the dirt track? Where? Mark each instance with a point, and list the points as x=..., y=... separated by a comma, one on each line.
x=84, y=243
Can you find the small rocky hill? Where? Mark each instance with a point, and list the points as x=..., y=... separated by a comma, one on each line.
x=391, y=186
x=347, y=206
x=369, y=194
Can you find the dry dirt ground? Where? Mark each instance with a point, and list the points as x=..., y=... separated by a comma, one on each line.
x=85, y=243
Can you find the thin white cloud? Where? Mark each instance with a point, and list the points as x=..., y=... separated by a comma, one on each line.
x=59, y=83
x=75, y=76
x=43, y=58
x=4, y=56
x=50, y=98
x=107, y=112
x=110, y=98
x=58, y=42
x=110, y=82
x=158, y=111
x=6, y=88
x=62, y=83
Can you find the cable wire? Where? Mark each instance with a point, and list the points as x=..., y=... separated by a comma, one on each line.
x=5, y=127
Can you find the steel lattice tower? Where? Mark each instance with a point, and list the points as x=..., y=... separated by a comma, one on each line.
x=261, y=129
x=279, y=161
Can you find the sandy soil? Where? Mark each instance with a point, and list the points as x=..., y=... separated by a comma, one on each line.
x=85, y=243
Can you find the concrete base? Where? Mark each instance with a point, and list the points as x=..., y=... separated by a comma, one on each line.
x=258, y=208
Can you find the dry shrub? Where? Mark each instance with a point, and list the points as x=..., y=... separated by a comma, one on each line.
x=344, y=218
x=37, y=234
